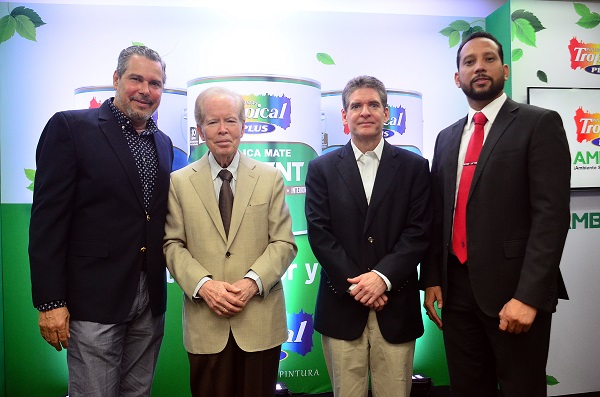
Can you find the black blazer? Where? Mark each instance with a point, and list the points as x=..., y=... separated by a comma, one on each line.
x=89, y=229
x=517, y=211
x=349, y=237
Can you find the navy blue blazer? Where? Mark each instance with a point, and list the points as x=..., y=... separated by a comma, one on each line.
x=89, y=230
x=350, y=237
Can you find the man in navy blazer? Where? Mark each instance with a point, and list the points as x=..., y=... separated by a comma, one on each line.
x=368, y=213
x=96, y=233
x=498, y=301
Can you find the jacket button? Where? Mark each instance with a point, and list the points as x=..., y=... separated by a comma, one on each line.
x=228, y=254
x=147, y=217
x=143, y=249
x=370, y=240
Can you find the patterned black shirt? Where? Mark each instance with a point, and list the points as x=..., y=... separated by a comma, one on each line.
x=143, y=149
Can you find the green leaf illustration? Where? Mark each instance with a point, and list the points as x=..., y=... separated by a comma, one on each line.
x=551, y=380
x=28, y=12
x=8, y=26
x=454, y=38
x=581, y=9
x=30, y=174
x=25, y=27
x=542, y=76
x=460, y=25
x=517, y=54
x=447, y=31
x=524, y=31
x=528, y=16
x=137, y=43
x=589, y=21
x=325, y=59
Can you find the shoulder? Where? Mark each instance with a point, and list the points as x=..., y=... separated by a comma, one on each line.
x=404, y=155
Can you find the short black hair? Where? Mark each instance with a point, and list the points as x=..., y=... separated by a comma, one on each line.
x=477, y=35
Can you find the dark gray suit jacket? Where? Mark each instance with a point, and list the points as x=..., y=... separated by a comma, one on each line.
x=349, y=237
x=517, y=211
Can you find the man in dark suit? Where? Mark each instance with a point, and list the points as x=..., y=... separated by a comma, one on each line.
x=96, y=232
x=498, y=240
x=368, y=213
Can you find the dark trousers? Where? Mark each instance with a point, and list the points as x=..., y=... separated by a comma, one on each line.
x=482, y=358
x=234, y=372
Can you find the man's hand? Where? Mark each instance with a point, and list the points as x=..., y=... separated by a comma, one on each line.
x=54, y=327
x=222, y=298
x=248, y=290
x=370, y=290
x=433, y=295
x=516, y=316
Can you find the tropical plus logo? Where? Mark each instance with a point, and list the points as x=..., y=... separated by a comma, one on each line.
x=300, y=334
x=585, y=56
x=588, y=126
x=397, y=122
x=265, y=112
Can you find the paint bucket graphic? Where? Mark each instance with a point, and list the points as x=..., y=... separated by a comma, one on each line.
x=282, y=127
x=404, y=127
x=170, y=117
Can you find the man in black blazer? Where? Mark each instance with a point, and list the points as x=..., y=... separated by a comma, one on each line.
x=368, y=213
x=96, y=233
x=498, y=298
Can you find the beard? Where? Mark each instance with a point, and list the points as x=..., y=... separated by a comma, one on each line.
x=494, y=90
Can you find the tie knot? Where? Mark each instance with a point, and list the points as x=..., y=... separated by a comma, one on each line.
x=225, y=175
x=479, y=118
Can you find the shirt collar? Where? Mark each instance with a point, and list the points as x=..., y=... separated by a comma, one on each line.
x=215, y=168
x=378, y=150
x=490, y=110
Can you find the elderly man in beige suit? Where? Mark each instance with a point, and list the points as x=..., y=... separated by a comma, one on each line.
x=229, y=269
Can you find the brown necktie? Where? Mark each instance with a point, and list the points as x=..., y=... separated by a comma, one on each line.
x=459, y=233
x=226, y=199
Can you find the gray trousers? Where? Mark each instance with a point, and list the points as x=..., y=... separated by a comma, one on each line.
x=111, y=360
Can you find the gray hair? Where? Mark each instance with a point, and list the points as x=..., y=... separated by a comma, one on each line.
x=364, y=82
x=140, y=50
x=216, y=91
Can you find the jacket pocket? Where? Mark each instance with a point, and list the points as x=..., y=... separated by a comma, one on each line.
x=515, y=248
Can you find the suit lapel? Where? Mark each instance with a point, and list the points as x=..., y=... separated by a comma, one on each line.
x=451, y=161
x=111, y=129
x=244, y=188
x=348, y=170
x=505, y=117
x=202, y=182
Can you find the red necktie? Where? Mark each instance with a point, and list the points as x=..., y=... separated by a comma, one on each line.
x=459, y=233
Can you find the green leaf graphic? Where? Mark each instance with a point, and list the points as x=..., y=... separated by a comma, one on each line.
x=524, y=31
x=589, y=21
x=542, y=76
x=460, y=25
x=447, y=31
x=30, y=174
x=581, y=9
x=325, y=59
x=528, y=16
x=137, y=43
x=8, y=25
x=30, y=187
x=25, y=27
x=454, y=38
x=477, y=29
x=28, y=12
x=517, y=54
x=551, y=380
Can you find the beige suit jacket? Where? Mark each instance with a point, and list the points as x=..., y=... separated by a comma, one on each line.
x=260, y=239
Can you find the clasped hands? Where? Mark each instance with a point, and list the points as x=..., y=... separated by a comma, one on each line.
x=226, y=299
x=369, y=289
